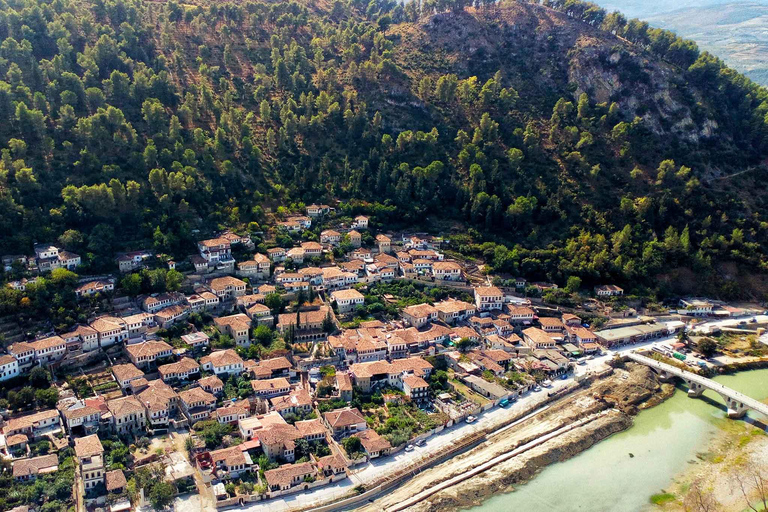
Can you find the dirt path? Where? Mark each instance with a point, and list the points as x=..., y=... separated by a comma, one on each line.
x=207, y=502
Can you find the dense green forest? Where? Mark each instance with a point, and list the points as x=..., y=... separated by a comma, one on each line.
x=553, y=139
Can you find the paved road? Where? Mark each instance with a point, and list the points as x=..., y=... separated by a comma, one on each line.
x=731, y=322
x=378, y=468
x=436, y=444
x=426, y=493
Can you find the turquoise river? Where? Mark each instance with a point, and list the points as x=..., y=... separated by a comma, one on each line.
x=605, y=478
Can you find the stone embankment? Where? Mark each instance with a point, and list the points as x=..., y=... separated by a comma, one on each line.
x=515, y=455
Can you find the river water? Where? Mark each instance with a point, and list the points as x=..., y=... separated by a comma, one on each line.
x=606, y=478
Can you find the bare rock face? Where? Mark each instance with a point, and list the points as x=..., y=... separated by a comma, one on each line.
x=642, y=88
x=558, y=51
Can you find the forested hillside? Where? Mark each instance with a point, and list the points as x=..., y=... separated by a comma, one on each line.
x=571, y=141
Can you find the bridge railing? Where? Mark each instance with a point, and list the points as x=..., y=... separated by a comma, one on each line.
x=704, y=381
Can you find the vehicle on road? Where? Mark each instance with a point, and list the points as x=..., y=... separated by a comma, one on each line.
x=537, y=388
x=564, y=376
x=504, y=403
x=420, y=442
x=753, y=320
x=546, y=383
x=471, y=419
x=409, y=448
x=582, y=362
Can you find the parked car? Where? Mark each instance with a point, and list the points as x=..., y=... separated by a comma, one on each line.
x=471, y=419
x=420, y=442
x=409, y=448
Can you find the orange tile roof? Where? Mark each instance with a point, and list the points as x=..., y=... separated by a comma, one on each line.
x=115, y=480
x=219, y=358
x=344, y=417
x=88, y=446
x=270, y=384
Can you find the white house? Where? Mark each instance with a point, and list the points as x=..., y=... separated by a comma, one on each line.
x=361, y=222
x=446, y=270
x=488, y=298
x=608, y=290
x=347, y=300
x=223, y=362
x=9, y=367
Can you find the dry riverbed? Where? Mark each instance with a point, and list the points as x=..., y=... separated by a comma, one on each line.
x=606, y=407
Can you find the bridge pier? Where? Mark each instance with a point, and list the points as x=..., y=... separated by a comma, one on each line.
x=736, y=409
x=737, y=403
x=695, y=389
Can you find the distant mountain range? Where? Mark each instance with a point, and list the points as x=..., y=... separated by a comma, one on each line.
x=737, y=32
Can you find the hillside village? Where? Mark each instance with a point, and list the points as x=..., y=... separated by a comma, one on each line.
x=280, y=371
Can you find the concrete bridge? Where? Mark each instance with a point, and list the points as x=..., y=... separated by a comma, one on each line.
x=738, y=403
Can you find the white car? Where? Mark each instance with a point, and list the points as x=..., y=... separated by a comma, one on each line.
x=409, y=448
x=471, y=419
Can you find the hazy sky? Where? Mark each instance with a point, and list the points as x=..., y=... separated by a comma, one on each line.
x=643, y=8
x=734, y=30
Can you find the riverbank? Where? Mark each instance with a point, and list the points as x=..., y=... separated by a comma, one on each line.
x=724, y=473
x=604, y=408
x=652, y=459
x=727, y=472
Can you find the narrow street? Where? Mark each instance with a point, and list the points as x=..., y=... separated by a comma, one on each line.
x=204, y=500
x=79, y=491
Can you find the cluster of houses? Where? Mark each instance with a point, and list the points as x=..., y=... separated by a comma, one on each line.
x=47, y=257
x=183, y=388
x=417, y=257
x=162, y=388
